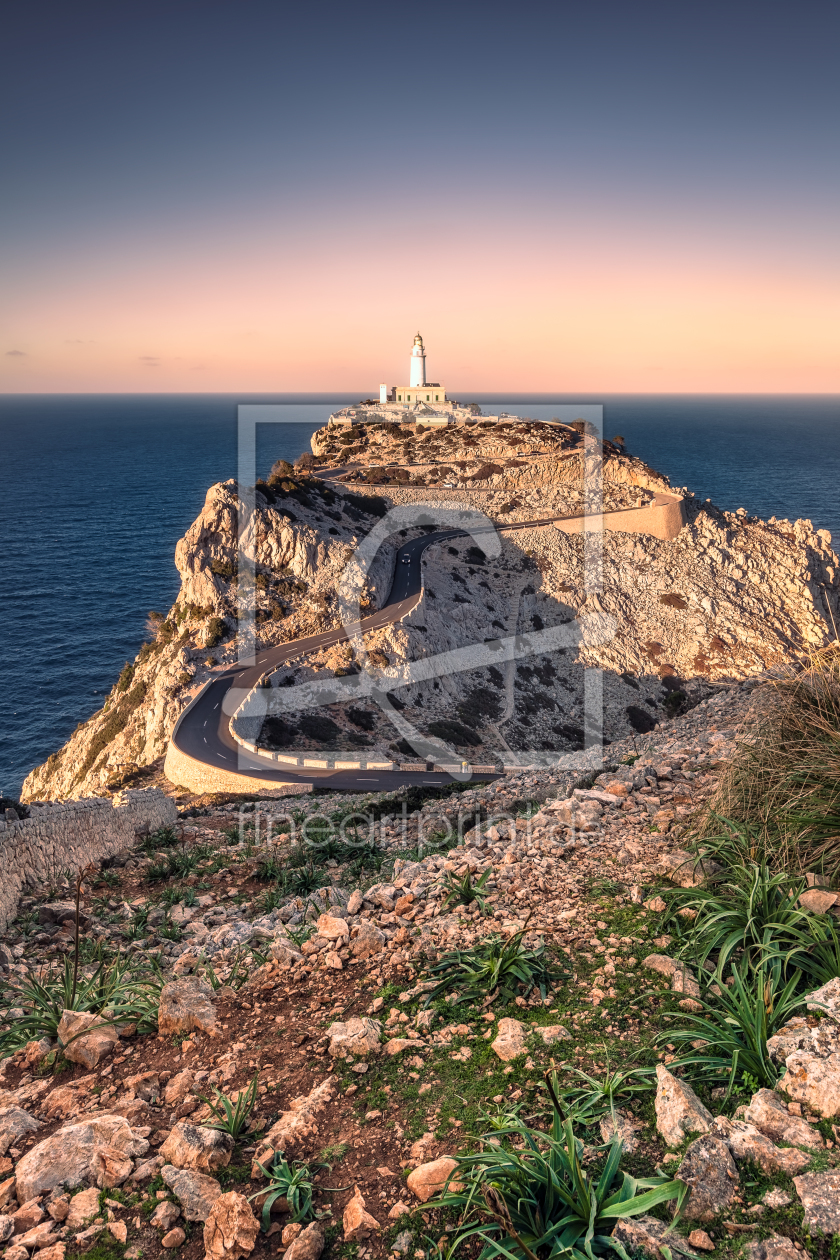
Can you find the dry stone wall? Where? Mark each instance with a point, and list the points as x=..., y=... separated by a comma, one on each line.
x=57, y=838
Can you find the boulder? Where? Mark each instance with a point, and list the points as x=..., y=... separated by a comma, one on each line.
x=203, y=1150
x=359, y=1035
x=397, y=1044
x=709, y=1171
x=509, y=1042
x=15, y=1124
x=294, y=1125
x=367, y=939
x=647, y=1236
x=333, y=928
x=746, y=1142
x=679, y=1112
x=86, y=1038
x=196, y=1192
x=186, y=1005
x=231, y=1228
x=358, y=1223
x=813, y=1081
x=308, y=1244
x=84, y=1206
x=775, y=1247
x=820, y=1196
x=826, y=999
x=66, y=1158
x=771, y=1117
x=430, y=1179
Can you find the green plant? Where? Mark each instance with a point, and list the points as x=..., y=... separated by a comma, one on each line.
x=594, y=1098
x=494, y=966
x=292, y=1182
x=231, y=1115
x=464, y=892
x=734, y=1025
x=752, y=912
x=534, y=1200
x=138, y=925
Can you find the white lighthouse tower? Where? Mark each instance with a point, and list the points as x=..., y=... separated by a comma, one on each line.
x=418, y=363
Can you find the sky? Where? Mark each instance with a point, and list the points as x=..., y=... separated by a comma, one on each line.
x=259, y=196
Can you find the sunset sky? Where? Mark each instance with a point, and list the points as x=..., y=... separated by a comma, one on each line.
x=259, y=196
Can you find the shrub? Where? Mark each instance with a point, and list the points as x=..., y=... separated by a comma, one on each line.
x=277, y=733
x=494, y=964
x=362, y=718
x=316, y=726
x=592, y=1099
x=453, y=732
x=640, y=719
x=125, y=679
x=223, y=569
x=216, y=631
x=115, y=722
x=532, y=1197
x=280, y=469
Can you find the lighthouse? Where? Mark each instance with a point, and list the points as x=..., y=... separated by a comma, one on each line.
x=417, y=374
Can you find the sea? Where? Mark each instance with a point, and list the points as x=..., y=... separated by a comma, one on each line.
x=95, y=491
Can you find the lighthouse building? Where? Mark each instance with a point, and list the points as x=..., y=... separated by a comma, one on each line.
x=418, y=390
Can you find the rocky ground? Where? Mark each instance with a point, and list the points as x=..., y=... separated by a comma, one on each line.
x=295, y=947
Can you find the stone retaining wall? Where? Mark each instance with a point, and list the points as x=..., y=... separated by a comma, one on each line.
x=664, y=517
x=61, y=838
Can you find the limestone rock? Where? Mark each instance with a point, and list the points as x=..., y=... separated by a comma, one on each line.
x=746, y=1142
x=622, y=1126
x=202, y=1150
x=686, y=869
x=820, y=1196
x=28, y=1215
x=509, y=1042
x=552, y=1032
x=165, y=1215
x=86, y=1038
x=84, y=1206
x=661, y=963
x=67, y=1157
x=770, y=1116
x=231, y=1228
x=285, y=952
x=355, y=902
x=813, y=1081
x=294, y=1125
x=647, y=1235
x=700, y=1239
x=308, y=1245
x=826, y=999
x=289, y=1232
x=359, y=1035
x=196, y=1192
x=777, y=1199
x=709, y=1170
x=144, y=1085
x=396, y=1045
x=186, y=1005
x=679, y=1112
x=39, y=1236
x=178, y=1087
x=430, y=1179
x=775, y=1247
x=367, y=939
x=119, y=1230
x=110, y=1166
x=146, y=1169
x=174, y=1238
x=15, y=1124
x=16, y=1253
x=333, y=928
x=7, y=1228
x=358, y=1223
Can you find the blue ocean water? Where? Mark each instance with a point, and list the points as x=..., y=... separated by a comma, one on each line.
x=97, y=490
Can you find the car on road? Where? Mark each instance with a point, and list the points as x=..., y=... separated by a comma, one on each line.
x=406, y=559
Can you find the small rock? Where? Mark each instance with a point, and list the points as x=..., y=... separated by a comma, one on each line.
x=710, y=1172
x=820, y=1196
x=196, y=1192
x=146, y=1169
x=660, y=963
x=358, y=1223
x=397, y=1044
x=777, y=1199
x=355, y=902
x=186, y=1005
x=699, y=1238
x=817, y=900
x=29, y=1214
x=776, y=1247
x=16, y=1253
x=15, y=1124
x=399, y=1209
x=679, y=1112
x=165, y=1215
x=369, y=939
x=308, y=1245
x=402, y=1242
x=770, y=1115
x=510, y=1041
x=119, y=1230
x=7, y=1228
x=175, y=1238
x=177, y=1089
x=86, y=1039
x=621, y=1126
x=231, y=1228
x=334, y=929
x=430, y=1179
x=826, y=999
x=290, y=1232
x=360, y=1035
x=83, y=1208
x=202, y=1150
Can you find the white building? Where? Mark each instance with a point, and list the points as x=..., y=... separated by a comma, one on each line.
x=419, y=390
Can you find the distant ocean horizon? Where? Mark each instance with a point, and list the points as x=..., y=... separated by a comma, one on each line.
x=97, y=489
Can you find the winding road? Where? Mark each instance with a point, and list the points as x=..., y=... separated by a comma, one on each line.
x=203, y=732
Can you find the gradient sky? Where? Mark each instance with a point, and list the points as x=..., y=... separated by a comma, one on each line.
x=261, y=196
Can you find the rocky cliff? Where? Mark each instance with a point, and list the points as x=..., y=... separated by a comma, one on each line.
x=731, y=596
